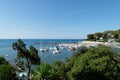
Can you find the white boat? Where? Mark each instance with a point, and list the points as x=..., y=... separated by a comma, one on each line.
x=41, y=50
x=61, y=46
x=46, y=49
x=71, y=48
x=56, y=51
x=51, y=49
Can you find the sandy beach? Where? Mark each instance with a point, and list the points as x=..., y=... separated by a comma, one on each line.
x=95, y=43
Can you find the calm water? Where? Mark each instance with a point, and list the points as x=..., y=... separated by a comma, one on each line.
x=48, y=57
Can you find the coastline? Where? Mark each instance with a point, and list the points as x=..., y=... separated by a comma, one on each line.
x=95, y=43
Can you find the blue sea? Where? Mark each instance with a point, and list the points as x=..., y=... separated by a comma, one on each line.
x=7, y=51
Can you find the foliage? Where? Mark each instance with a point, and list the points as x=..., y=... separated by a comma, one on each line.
x=70, y=62
x=50, y=72
x=95, y=64
x=85, y=64
x=57, y=71
x=80, y=50
x=105, y=35
x=97, y=35
x=25, y=57
x=7, y=72
x=91, y=36
x=42, y=72
x=3, y=61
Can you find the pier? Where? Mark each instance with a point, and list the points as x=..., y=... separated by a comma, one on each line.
x=56, y=42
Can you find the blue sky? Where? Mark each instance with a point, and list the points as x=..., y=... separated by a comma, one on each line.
x=57, y=18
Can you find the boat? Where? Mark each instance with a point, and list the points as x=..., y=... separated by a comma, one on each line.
x=71, y=48
x=41, y=50
x=46, y=49
x=56, y=51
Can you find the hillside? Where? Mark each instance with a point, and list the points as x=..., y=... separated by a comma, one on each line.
x=105, y=36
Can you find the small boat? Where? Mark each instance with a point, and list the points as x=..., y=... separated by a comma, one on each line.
x=72, y=48
x=62, y=47
x=46, y=49
x=51, y=48
x=56, y=51
x=41, y=50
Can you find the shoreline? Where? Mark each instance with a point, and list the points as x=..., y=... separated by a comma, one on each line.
x=95, y=43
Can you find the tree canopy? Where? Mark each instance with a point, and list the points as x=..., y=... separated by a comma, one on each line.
x=95, y=64
x=25, y=57
x=7, y=71
x=110, y=34
x=85, y=64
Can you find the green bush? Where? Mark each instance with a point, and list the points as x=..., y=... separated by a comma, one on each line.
x=95, y=64
x=7, y=72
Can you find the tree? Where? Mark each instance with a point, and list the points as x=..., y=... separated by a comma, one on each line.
x=24, y=56
x=98, y=35
x=3, y=61
x=81, y=50
x=7, y=71
x=70, y=62
x=90, y=36
x=95, y=64
x=50, y=72
x=57, y=71
x=42, y=72
x=109, y=34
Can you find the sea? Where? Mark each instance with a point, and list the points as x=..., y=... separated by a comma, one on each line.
x=9, y=54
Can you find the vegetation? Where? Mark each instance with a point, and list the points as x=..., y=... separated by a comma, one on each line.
x=104, y=36
x=25, y=57
x=42, y=72
x=7, y=72
x=95, y=63
x=86, y=64
x=50, y=72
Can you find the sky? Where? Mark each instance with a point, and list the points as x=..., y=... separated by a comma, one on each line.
x=57, y=19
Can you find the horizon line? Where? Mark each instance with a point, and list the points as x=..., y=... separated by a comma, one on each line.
x=42, y=38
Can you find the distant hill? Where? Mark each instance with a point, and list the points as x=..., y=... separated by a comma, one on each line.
x=104, y=36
